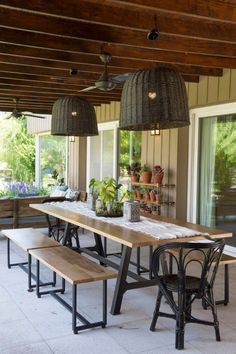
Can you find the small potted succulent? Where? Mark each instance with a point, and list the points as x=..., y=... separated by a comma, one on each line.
x=134, y=171
x=146, y=173
x=157, y=174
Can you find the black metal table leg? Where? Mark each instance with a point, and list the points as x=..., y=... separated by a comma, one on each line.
x=67, y=235
x=121, y=281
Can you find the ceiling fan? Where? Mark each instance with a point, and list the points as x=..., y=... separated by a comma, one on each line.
x=105, y=82
x=16, y=113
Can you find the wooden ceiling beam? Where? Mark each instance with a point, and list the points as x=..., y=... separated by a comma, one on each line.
x=213, y=9
x=94, y=93
x=133, y=17
x=31, y=94
x=111, y=34
x=154, y=53
x=49, y=85
x=88, y=62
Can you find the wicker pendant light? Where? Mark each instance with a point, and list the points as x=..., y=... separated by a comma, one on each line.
x=155, y=98
x=72, y=115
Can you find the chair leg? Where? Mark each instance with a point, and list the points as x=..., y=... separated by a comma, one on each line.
x=180, y=322
x=156, y=311
x=214, y=313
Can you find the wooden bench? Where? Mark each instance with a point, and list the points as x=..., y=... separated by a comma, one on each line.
x=228, y=257
x=27, y=239
x=75, y=269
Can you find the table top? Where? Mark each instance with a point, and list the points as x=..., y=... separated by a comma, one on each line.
x=127, y=237
x=29, y=238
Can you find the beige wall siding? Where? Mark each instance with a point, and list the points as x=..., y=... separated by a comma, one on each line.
x=37, y=126
x=212, y=90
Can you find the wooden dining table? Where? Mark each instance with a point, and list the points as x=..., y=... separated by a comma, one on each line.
x=129, y=239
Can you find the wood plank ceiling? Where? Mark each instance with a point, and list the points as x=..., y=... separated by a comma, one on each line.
x=40, y=41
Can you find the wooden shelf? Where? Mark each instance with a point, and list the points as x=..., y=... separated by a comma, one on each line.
x=152, y=184
x=154, y=202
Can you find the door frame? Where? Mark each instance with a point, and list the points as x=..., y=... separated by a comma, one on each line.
x=193, y=160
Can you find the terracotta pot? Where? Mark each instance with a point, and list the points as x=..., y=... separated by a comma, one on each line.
x=146, y=176
x=134, y=177
x=152, y=196
x=146, y=196
x=138, y=194
x=158, y=178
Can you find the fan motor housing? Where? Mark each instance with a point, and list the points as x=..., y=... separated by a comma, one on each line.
x=105, y=85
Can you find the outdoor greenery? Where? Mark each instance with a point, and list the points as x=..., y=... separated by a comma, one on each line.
x=17, y=149
x=225, y=155
x=130, y=150
x=52, y=159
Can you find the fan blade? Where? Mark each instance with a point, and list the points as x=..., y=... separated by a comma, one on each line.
x=121, y=78
x=32, y=115
x=90, y=88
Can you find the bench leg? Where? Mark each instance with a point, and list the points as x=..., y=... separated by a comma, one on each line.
x=30, y=287
x=104, y=303
x=74, y=307
x=9, y=264
x=86, y=324
x=226, y=285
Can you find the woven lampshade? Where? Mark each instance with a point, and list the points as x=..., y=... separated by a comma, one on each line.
x=72, y=115
x=155, y=98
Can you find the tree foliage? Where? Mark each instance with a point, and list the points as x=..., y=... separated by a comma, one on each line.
x=225, y=163
x=17, y=149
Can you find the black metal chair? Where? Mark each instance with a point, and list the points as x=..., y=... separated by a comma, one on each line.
x=56, y=229
x=192, y=277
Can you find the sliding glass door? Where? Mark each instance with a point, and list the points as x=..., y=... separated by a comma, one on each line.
x=102, y=152
x=215, y=171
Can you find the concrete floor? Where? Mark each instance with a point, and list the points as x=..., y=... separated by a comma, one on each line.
x=43, y=326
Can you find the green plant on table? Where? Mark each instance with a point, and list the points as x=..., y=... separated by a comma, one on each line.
x=110, y=197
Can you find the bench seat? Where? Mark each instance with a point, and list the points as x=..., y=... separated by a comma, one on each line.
x=72, y=266
x=27, y=239
x=75, y=269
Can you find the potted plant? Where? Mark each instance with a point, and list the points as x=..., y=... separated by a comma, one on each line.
x=146, y=174
x=93, y=193
x=134, y=171
x=157, y=174
x=110, y=198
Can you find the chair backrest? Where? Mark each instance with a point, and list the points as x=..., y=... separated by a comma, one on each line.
x=51, y=200
x=186, y=254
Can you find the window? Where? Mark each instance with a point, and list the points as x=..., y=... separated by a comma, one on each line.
x=111, y=148
x=51, y=167
x=102, y=152
x=212, y=196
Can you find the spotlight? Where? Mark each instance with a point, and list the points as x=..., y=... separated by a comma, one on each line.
x=153, y=35
x=73, y=72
